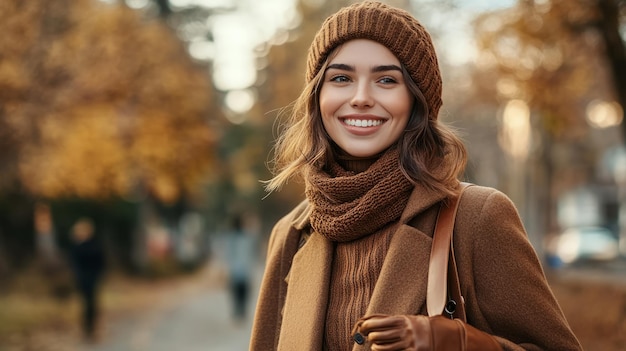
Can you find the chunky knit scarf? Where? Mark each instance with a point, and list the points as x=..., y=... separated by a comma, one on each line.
x=347, y=206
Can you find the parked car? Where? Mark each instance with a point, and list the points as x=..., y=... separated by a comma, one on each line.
x=582, y=244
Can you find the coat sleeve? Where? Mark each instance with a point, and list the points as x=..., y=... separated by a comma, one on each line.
x=282, y=245
x=503, y=282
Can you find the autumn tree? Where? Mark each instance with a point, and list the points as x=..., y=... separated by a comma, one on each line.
x=98, y=102
x=557, y=56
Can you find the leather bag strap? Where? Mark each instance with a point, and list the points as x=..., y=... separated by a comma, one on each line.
x=442, y=263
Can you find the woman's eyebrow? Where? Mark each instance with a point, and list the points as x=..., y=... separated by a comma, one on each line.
x=375, y=69
x=385, y=68
x=341, y=66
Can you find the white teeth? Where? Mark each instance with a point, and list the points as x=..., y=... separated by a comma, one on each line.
x=363, y=122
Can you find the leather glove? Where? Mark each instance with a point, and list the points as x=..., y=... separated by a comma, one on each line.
x=421, y=333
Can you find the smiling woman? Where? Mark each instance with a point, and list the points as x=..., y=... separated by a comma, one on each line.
x=348, y=269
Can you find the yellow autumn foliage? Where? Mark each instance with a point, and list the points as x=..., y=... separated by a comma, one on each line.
x=547, y=54
x=96, y=100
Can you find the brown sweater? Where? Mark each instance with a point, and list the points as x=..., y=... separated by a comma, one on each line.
x=355, y=269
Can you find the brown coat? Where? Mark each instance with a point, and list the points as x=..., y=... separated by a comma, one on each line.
x=502, y=281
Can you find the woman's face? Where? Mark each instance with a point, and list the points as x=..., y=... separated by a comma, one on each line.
x=364, y=101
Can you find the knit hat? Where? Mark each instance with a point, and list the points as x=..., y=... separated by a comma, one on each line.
x=396, y=29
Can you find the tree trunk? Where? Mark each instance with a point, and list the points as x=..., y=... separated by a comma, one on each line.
x=608, y=26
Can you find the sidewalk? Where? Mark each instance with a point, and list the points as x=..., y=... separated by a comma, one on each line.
x=198, y=317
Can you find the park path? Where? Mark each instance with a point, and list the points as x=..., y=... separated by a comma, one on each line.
x=198, y=318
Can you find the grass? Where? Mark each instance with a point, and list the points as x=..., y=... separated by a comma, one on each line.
x=29, y=302
x=21, y=312
x=596, y=311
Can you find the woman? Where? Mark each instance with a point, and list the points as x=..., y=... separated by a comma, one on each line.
x=377, y=165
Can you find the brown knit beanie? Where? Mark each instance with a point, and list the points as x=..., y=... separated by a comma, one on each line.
x=396, y=29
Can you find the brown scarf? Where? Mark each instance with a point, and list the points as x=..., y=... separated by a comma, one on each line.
x=347, y=206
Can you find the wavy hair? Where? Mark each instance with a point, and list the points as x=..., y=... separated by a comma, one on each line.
x=423, y=146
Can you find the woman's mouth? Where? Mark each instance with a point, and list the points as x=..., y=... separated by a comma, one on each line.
x=363, y=123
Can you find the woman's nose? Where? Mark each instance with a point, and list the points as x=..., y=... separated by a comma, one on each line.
x=362, y=96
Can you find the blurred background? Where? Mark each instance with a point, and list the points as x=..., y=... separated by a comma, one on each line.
x=154, y=120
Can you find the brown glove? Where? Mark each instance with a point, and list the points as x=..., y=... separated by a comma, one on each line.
x=421, y=333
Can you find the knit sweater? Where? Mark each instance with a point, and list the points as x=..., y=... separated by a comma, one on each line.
x=355, y=269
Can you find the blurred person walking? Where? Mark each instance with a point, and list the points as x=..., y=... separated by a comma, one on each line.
x=350, y=267
x=88, y=263
x=53, y=264
x=241, y=256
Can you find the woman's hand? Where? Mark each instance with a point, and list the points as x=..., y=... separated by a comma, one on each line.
x=421, y=333
x=390, y=333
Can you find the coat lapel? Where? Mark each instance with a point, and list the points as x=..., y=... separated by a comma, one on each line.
x=401, y=285
x=400, y=288
x=304, y=312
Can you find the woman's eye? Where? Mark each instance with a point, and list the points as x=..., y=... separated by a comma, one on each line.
x=339, y=79
x=387, y=80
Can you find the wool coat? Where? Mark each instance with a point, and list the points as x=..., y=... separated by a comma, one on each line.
x=504, y=286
